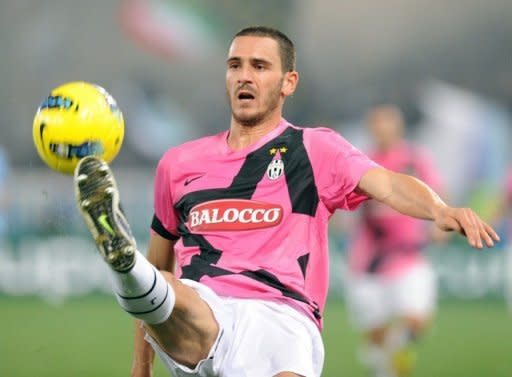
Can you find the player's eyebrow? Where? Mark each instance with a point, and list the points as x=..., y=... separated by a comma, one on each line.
x=238, y=59
x=233, y=59
x=261, y=61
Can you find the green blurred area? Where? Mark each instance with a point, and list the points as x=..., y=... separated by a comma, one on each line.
x=91, y=336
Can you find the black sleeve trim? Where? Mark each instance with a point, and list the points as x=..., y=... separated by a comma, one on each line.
x=158, y=227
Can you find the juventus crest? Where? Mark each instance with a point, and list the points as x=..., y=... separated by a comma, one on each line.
x=275, y=169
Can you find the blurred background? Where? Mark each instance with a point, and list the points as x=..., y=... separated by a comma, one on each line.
x=447, y=65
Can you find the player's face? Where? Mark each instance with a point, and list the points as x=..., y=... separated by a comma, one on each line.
x=255, y=83
x=386, y=128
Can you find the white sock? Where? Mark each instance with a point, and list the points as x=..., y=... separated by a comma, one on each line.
x=143, y=292
x=398, y=337
x=376, y=359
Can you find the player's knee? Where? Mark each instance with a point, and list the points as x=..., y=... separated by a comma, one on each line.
x=417, y=324
x=169, y=277
x=188, y=303
x=377, y=335
x=184, y=295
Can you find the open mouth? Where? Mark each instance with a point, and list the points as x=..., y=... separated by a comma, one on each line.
x=245, y=96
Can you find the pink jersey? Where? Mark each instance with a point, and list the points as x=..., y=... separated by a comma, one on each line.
x=388, y=242
x=252, y=223
x=508, y=189
x=507, y=221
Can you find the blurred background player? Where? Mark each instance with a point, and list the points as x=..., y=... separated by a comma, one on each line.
x=503, y=221
x=503, y=217
x=508, y=207
x=391, y=289
x=4, y=199
x=507, y=231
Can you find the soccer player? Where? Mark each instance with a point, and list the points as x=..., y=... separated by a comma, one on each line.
x=236, y=275
x=4, y=195
x=508, y=205
x=503, y=221
x=391, y=288
x=505, y=208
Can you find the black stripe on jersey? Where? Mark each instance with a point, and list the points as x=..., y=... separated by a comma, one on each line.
x=158, y=227
x=270, y=279
x=200, y=267
x=299, y=176
x=242, y=187
x=303, y=197
x=210, y=254
x=298, y=171
x=375, y=263
x=303, y=263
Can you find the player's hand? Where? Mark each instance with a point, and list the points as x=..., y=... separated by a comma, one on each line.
x=466, y=222
x=439, y=236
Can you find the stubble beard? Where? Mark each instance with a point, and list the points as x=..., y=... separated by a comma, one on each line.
x=271, y=104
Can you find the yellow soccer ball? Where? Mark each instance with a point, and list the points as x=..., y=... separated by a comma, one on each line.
x=77, y=119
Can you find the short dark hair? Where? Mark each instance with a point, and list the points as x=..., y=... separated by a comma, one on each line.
x=286, y=46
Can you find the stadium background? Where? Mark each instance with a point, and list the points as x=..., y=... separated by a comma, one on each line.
x=447, y=64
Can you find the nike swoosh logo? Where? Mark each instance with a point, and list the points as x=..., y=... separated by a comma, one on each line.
x=188, y=181
x=102, y=219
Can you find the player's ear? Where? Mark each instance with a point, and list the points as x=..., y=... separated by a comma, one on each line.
x=290, y=81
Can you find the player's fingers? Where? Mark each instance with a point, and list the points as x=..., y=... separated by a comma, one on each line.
x=471, y=228
x=490, y=230
x=485, y=231
x=484, y=235
x=475, y=226
x=488, y=234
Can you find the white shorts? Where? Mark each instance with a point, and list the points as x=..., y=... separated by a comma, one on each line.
x=257, y=338
x=374, y=300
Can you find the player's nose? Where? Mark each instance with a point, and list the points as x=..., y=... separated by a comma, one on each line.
x=245, y=75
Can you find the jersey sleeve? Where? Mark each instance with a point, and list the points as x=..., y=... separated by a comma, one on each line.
x=343, y=167
x=165, y=220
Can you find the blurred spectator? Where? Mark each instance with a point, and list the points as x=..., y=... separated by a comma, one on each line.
x=4, y=197
x=508, y=206
x=503, y=216
x=506, y=227
x=391, y=288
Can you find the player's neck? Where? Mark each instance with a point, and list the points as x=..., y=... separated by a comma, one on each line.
x=241, y=136
x=389, y=146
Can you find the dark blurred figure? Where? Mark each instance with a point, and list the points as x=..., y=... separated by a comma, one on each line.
x=391, y=287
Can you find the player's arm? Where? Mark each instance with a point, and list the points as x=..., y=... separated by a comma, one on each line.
x=412, y=197
x=161, y=255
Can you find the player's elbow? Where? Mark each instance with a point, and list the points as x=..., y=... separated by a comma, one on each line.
x=377, y=183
